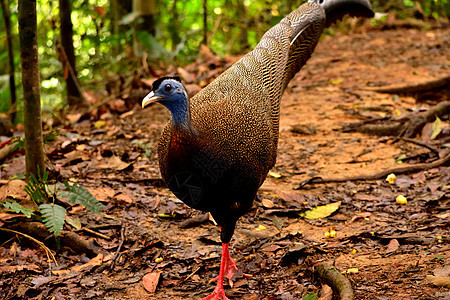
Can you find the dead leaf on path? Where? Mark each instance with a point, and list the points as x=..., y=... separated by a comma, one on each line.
x=392, y=246
x=365, y=197
x=102, y=193
x=150, y=281
x=442, y=272
x=438, y=281
x=267, y=203
x=115, y=163
x=125, y=198
x=271, y=248
x=13, y=189
x=326, y=293
x=96, y=261
x=13, y=269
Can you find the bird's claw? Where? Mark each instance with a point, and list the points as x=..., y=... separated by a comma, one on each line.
x=218, y=294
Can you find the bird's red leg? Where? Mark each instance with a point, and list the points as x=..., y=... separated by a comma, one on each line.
x=227, y=269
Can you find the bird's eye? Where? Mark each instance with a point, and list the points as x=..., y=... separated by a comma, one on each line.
x=167, y=87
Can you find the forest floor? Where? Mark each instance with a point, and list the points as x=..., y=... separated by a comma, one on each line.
x=388, y=250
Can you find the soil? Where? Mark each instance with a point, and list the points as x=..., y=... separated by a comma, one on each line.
x=386, y=249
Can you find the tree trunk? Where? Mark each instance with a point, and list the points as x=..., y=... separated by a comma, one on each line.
x=9, y=42
x=34, y=146
x=146, y=10
x=67, y=56
x=205, y=22
x=174, y=26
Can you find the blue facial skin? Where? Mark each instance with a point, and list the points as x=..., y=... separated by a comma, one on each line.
x=172, y=95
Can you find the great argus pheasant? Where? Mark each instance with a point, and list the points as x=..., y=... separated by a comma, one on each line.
x=218, y=147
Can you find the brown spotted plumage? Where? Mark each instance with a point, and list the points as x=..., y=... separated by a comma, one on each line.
x=217, y=149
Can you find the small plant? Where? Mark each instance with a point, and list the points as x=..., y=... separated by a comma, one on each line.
x=48, y=138
x=53, y=215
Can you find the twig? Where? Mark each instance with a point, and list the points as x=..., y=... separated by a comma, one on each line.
x=48, y=252
x=335, y=279
x=122, y=239
x=420, y=143
x=382, y=174
x=96, y=233
x=192, y=274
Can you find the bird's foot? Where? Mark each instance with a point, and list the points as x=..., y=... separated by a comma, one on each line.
x=218, y=294
x=230, y=268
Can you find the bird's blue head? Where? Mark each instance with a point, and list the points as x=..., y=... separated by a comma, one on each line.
x=170, y=92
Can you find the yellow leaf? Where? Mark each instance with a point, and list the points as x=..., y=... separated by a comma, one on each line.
x=336, y=81
x=321, y=211
x=401, y=199
x=261, y=227
x=436, y=128
x=351, y=271
x=275, y=175
x=99, y=124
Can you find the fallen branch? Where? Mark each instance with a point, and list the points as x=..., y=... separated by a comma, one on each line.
x=335, y=279
x=428, y=86
x=400, y=170
x=69, y=239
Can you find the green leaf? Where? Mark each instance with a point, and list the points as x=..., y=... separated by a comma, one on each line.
x=321, y=211
x=35, y=188
x=79, y=195
x=17, y=208
x=310, y=296
x=53, y=216
x=436, y=128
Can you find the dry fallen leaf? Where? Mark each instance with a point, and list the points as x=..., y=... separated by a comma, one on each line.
x=150, y=281
x=392, y=246
x=438, y=281
x=267, y=203
x=96, y=261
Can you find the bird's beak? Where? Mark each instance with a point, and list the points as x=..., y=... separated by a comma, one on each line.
x=150, y=98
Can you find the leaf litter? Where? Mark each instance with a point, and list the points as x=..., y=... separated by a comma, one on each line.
x=384, y=248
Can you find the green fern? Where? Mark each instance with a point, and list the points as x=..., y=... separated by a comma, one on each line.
x=18, y=209
x=53, y=217
x=79, y=195
x=35, y=187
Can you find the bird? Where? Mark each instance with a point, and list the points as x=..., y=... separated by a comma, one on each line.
x=218, y=146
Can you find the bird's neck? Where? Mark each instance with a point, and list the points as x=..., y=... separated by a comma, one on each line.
x=180, y=115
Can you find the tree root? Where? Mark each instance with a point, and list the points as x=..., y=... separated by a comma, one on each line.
x=400, y=170
x=68, y=238
x=408, y=125
x=417, y=89
x=335, y=279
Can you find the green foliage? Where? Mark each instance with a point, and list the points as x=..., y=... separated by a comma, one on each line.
x=48, y=138
x=106, y=43
x=79, y=195
x=36, y=188
x=19, y=143
x=310, y=296
x=18, y=209
x=53, y=216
